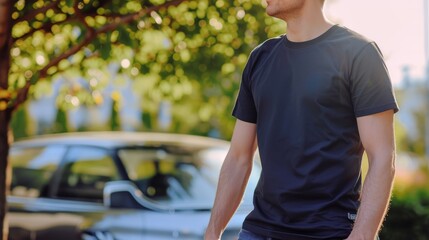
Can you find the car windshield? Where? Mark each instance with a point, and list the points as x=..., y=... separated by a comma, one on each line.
x=177, y=177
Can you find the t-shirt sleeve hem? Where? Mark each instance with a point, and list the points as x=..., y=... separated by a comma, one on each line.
x=378, y=109
x=244, y=118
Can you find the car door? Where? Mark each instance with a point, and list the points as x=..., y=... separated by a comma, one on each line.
x=175, y=190
x=81, y=181
x=153, y=170
x=32, y=215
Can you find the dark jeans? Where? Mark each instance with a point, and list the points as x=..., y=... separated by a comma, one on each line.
x=246, y=235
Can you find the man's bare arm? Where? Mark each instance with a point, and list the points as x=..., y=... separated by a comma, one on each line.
x=233, y=178
x=377, y=135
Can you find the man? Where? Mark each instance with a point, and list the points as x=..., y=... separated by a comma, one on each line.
x=312, y=101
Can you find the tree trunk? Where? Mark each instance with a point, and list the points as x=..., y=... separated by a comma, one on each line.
x=4, y=174
x=5, y=114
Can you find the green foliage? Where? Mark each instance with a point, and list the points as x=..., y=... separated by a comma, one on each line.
x=60, y=122
x=19, y=123
x=408, y=217
x=114, y=117
x=147, y=121
x=405, y=143
x=202, y=60
x=190, y=55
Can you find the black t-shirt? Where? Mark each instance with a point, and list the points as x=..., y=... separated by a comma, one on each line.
x=304, y=98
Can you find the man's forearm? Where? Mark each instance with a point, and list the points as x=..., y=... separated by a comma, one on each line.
x=375, y=199
x=232, y=183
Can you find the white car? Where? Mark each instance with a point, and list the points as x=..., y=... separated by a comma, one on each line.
x=117, y=185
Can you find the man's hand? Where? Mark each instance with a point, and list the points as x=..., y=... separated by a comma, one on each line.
x=209, y=236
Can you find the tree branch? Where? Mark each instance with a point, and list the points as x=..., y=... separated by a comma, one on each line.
x=33, y=13
x=121, y=18
x=90, y=36
x=23, y=92
x=135, y=16
x=45, y=27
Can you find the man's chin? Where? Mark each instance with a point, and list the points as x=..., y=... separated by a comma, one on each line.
x=270, y=12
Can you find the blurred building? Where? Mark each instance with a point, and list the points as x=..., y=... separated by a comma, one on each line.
x=43, y=110
x=412, y=101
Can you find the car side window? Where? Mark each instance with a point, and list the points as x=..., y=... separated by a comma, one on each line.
x=167, y=177
x=33, y=169
x=86, y=171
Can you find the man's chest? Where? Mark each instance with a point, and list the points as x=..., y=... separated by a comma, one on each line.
x=300, y=81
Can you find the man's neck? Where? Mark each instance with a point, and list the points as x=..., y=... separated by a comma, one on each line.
x=308, y=24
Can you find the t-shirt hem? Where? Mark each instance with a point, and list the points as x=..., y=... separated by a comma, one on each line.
x=368, y=111
x=282, y=235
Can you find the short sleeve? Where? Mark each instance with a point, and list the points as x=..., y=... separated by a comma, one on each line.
x=371, y=88
x=244, y=108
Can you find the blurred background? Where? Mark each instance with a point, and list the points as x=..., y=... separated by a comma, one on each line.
x=177, y=68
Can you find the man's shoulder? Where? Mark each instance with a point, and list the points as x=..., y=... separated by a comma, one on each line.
x=266, y=48
x=269, y=43
x=350, y=39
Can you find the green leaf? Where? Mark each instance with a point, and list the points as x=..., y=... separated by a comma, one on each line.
x=105, y=50
x=104, y=46
x=82, y=34
x=125, y=38
x=69, y=3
